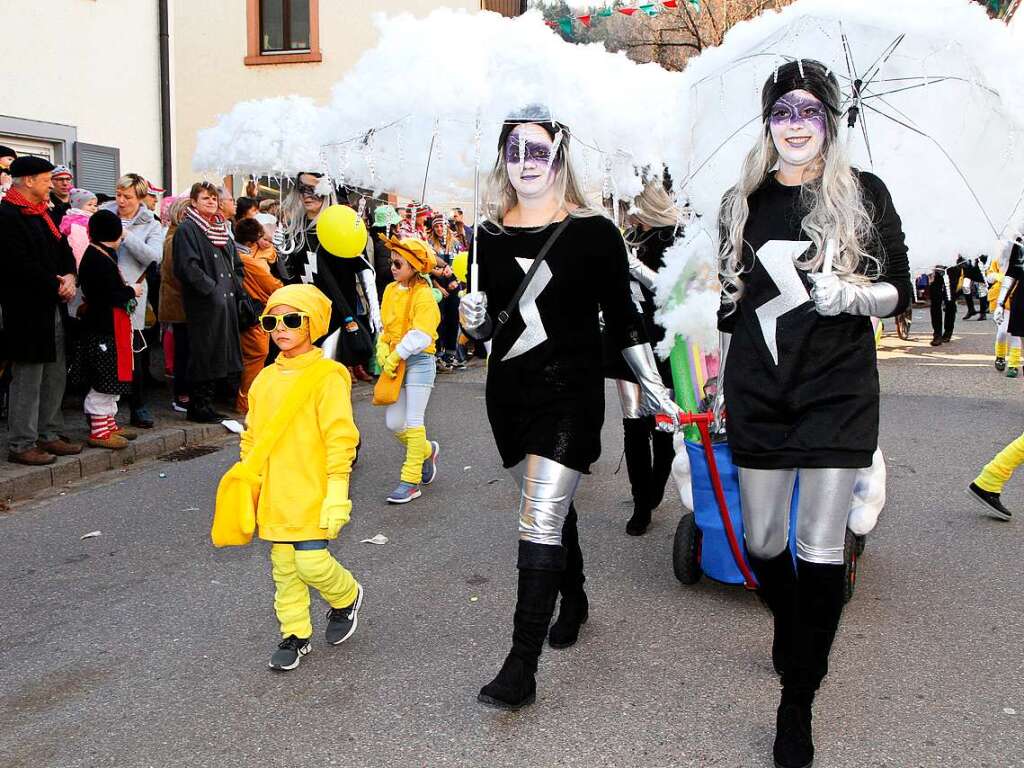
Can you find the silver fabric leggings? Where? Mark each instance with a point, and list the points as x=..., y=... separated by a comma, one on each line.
x=822, y=511
x=546, y=491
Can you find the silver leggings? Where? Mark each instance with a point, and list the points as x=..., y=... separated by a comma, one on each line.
x=822, y=511
x=546, y=488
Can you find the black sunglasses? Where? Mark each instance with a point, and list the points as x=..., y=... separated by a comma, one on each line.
x=307, y=189
x=292, y=321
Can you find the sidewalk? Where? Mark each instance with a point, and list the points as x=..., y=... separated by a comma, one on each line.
x=170, y=432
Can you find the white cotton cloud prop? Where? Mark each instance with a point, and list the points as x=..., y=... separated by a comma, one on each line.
x=262, y=137
x=401, y=96
x=955, y=75
x=687, y=291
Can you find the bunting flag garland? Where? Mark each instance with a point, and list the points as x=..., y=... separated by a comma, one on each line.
x=564, y=23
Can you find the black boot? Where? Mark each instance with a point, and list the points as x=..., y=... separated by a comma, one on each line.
x=636, y=435
x=776, y=581
x=664, y=455
x=540, y=572
x=200, y=404
x=575, y=609
x=819, y=606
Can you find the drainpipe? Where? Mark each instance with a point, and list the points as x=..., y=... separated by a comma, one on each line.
x=165, y=95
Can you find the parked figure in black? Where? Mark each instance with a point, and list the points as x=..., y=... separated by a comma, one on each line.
x=545, y=387
x=649, y=452
x=942, y=295
x=799, y=369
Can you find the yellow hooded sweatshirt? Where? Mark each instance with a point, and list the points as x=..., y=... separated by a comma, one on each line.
x=394, y=312
x=320, y=442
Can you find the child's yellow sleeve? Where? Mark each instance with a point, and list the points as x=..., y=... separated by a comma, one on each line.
x=337, y=427
x=426, y=315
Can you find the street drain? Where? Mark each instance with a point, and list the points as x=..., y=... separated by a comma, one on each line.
x=189, y=452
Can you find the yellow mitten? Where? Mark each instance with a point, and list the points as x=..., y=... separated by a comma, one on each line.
x=383, y=350
x=390, y=366
x=336, y=509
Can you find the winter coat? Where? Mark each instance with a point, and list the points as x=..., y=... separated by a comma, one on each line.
x=210, y=280
x=75, y=227
x=103, y=290
x=172, y=310
x=142, y=246
x=31, y=259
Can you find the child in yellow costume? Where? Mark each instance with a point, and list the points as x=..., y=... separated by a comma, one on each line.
x=410, y=317
x=303, y=501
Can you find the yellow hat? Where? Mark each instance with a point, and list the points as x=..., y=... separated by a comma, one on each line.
x=308, y=299
x=419, y=255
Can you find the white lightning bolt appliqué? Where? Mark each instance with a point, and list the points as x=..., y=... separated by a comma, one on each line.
x=777, y=257
x=309, y=271
x=534, y=334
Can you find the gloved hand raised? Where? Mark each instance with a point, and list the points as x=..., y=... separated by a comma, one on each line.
x=335, y=509
x=473, y=314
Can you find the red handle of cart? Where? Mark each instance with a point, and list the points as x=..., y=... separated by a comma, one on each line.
x=703, y=423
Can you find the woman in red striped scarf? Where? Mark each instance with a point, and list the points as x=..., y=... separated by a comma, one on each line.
x=211, y=274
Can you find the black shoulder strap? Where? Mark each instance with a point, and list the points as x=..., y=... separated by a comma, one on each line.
x=505, y=315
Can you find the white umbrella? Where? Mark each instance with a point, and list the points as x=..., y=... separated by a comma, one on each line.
x=931, y=94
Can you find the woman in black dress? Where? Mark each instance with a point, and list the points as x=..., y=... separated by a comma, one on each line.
x=799, y=369
x=545, y=385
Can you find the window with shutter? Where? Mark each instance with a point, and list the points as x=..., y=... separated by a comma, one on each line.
x=97, y=168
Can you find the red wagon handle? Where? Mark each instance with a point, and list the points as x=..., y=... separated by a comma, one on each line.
x=703, y=421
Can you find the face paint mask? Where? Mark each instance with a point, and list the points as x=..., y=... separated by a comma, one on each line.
x=798, y=126
x=531, y=164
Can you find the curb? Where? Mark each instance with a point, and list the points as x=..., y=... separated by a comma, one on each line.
x=25, y=482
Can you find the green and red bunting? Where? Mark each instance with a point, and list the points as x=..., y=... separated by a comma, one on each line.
x=564, y=23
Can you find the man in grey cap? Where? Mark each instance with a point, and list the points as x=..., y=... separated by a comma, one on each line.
x=37, y=279
x=60, y=197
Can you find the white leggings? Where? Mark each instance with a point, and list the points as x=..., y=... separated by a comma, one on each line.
x=1003, y=335
x=408, y=411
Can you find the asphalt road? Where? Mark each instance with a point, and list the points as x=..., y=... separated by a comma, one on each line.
x=146, y=647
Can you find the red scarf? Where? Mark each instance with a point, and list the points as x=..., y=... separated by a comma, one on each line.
x=15, y=197
x=216, y=230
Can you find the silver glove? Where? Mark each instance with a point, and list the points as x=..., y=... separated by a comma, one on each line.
x=473, y=315
x=1004, y=292
x=641, y=272
x=833, y=295
x=718, y=423
x=655, y=396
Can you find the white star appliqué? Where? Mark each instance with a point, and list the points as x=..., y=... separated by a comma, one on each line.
x=534, y=334
x=777, y=257
x=309, y=271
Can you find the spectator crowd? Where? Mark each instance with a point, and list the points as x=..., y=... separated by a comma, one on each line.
x=96, y=291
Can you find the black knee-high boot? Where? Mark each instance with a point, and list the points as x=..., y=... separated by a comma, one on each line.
x=664, y=455
x=540, y=573
x=636, y=435
x=819, y=606
x=574, y=609
x=776, y=579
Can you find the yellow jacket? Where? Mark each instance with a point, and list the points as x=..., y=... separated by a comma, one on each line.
x=320, y=443
x=426, y=316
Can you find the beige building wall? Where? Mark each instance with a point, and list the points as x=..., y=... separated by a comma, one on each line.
x=87, y=64
x=209, y=45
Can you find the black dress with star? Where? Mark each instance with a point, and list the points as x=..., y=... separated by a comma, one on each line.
x=335, y=276
x=545, y=384
x=1015, y=269
x=801, y=389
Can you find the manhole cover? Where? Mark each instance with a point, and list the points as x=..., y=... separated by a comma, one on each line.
x=189, y=452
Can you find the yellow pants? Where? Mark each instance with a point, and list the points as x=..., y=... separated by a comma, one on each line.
x=295, y=571
x=998, y=471
x=417, y=450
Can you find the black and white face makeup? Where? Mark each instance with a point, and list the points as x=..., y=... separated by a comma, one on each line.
x=531, y=160
x=798, y=124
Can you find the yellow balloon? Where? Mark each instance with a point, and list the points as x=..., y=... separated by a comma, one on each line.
x=341, y=232
x=460, y=265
